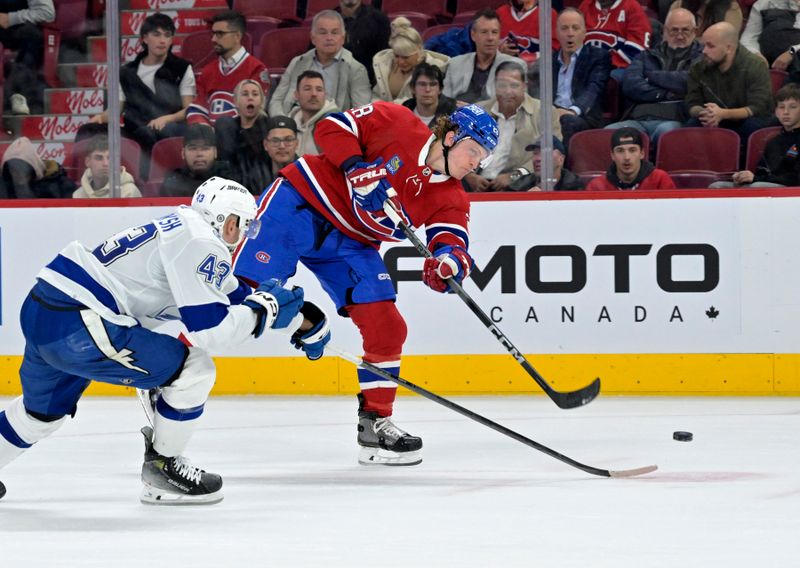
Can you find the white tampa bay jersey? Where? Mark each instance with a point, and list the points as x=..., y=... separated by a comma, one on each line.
x=175, y=267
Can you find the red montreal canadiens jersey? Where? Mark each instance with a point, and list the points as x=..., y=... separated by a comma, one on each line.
x=392, y=132
x=524, y=30
x=623, y=28
x=215, y=88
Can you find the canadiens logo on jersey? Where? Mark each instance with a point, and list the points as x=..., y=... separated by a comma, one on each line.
x=221, y=104
x=792, y=151
x=394, y=164
x=261, y=256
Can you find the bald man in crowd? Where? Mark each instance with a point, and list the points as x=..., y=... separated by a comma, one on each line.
x=730, y=86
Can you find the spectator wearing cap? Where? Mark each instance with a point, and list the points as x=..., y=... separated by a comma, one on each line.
x=312, y=106
x=518, y=119
x=346, y=80
x=280, y=143
x=200, y=159
x=565, y=180
x=629, y=169
x=240, y=140
x=428, y=102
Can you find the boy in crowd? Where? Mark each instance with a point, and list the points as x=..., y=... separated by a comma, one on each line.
x=629, y=169
x=95, y=180
x=778, y=166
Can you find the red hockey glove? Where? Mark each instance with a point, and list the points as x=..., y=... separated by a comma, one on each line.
x=448, y=262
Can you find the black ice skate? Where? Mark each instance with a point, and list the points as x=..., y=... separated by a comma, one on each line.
x=383, y=443
x=174, y=481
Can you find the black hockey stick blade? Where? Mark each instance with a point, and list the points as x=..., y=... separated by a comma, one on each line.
x=487, y=422
x=565, y=400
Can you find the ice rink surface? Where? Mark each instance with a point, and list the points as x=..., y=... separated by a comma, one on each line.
x=295, y=496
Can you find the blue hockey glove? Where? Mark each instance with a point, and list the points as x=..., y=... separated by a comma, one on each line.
x=369, y=183
x=275, y=306
x=313, y=340
x=447, y=262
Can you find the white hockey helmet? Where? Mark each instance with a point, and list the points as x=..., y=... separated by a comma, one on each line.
x=218, y=198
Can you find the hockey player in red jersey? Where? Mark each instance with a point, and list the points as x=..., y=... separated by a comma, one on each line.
x=327, y=212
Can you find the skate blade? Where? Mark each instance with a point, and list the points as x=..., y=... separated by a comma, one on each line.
x=379, y=456
x=153, y=496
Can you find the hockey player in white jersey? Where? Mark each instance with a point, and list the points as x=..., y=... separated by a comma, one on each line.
x=88, y=317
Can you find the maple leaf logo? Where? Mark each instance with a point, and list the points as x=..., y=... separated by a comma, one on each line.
x=712, y=312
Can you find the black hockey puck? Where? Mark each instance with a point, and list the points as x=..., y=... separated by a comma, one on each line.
x=2, y=490
x=682, y=436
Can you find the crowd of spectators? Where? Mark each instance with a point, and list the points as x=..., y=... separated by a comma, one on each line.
x=615, y=65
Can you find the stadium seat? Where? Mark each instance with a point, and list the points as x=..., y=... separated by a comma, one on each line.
x=419, y=21
x=778, y=79
x=278, y=47
x=589, y=151
x=129, y=149
x=70, y=23
x=437, y=9
x=436, y=30
x=693, y=180
x=258, y=26
x=314, y=6
x=282, y=9
x=198, y=48
x=475, y=5
x=463, y=18
x=698, y=149
x=166, y=156
x=611, y=101
x=756, y=144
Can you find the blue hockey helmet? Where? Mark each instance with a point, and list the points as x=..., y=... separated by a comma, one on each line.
x=474, y=122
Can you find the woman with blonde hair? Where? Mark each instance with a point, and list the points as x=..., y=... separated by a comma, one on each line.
x=393, y=66
x=240, y=140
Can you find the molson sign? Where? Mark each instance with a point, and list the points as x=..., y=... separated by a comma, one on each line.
x=76, y=101
x=175, y=4
x=52, y=127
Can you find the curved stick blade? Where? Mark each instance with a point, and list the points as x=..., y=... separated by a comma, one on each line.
x=576, y=398
x=633, y=472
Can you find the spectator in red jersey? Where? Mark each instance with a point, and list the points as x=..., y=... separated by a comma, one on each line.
x=619, y=26
x=519, y=29
x=629, y=169
x=219, y=78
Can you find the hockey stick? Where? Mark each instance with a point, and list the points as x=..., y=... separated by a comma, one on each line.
x=485, y=421
x=570, y=399
x=147, y=405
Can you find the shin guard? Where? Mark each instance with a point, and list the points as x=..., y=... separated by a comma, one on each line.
x=383, y=331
